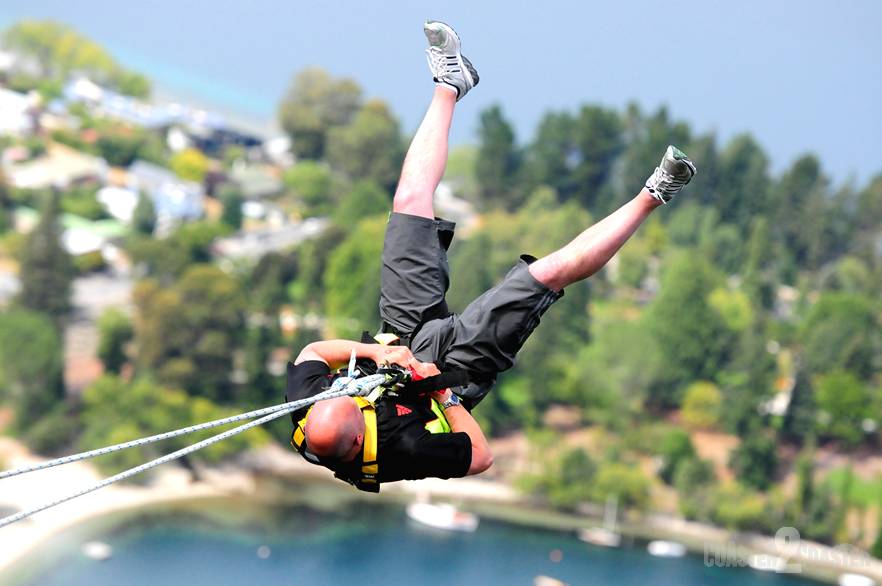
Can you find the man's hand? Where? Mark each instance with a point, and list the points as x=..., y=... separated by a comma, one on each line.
x=400, y=355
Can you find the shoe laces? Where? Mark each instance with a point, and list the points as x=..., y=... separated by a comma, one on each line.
x=662, y=185
x=442, y=63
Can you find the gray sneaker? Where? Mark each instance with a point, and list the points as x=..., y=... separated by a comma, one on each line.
x=448, y=65
x=672, y=174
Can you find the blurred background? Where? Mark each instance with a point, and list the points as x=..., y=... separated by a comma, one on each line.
x=191, y=192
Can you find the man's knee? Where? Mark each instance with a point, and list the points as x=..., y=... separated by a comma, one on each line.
x=413, y=202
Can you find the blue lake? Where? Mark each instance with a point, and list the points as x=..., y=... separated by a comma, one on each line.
x=368, y=545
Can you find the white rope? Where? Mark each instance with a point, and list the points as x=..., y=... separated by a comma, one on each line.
x=342, y=387
x=151, y=439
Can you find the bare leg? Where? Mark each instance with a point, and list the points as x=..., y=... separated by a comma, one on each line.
x=426, y=158
x=593, y=248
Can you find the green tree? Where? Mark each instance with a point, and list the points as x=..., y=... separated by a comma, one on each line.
x=366, y=199
x=186, y=334
x=743, y=190
x=311, y=183
x=646, y=138
x=114, y=332
x=31, y=365
x=262, y=386
x=144, y=216
x=231, y=198
x=269, y=280
x=369, y=147
x=114, y=411
x=190, y=164
x=759, y=264
x=624, y=481
x=695, y=343
x=755, y=460
x=168, y=258
x=121, y=145
x=800, y=211
x=315, y=103
x=47, y=269
x=701, y=404
x=598, y=137
x=841, y=331
x=572, y=484
x=460, y=172
x=498, y=159
x=675, y=449
x=800, y=419
x=59, y=50
x=549, y=159
x=876, y=548
x=352, y=278
x=844, y=403
x=738, y=508
x=5, y=205
x=703, y=187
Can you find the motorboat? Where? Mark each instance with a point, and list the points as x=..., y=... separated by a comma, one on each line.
x=442, y=516
x=855, y=580
x=97, y=550
x=600, y=536
x=666, y=549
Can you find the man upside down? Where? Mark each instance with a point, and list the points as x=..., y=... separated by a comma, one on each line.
x=434, y=435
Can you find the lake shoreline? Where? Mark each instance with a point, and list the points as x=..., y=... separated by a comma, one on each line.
x=268, y=476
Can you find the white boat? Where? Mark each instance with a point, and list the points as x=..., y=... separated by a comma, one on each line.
x=547, y=581
x=666, y=549
x=855, y=580
x=766, y=563
x=605, y=536
x=97, y=550
x=600, y=536
x=442, y=516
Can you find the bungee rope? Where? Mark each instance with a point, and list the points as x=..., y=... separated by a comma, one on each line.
x=346, y=386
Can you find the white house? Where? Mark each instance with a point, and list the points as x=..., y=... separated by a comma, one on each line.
x=174, y=199
x=119, y=202
x=15, y=113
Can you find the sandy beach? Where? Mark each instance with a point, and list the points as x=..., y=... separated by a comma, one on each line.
x=169, y=484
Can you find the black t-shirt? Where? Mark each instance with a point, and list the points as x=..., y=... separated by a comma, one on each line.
x=406, y=450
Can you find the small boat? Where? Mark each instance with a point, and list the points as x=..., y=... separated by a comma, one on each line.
x=547, y=581
x=600, y=536
x=442, y=516
x=97, y=550
x=666, y=549
x=605, y=536
x=855, y=580
x=766, y=562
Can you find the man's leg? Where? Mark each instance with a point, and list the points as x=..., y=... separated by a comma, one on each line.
x=426, y=158
x=414, y=277
x=593, y=248
x=490, y=332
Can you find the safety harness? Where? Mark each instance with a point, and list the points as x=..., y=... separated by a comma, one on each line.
x=366, y=475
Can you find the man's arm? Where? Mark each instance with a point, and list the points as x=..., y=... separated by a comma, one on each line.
x=336, y=353
x=461, y=420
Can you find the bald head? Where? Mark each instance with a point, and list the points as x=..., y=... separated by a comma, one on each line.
x=334, y=427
